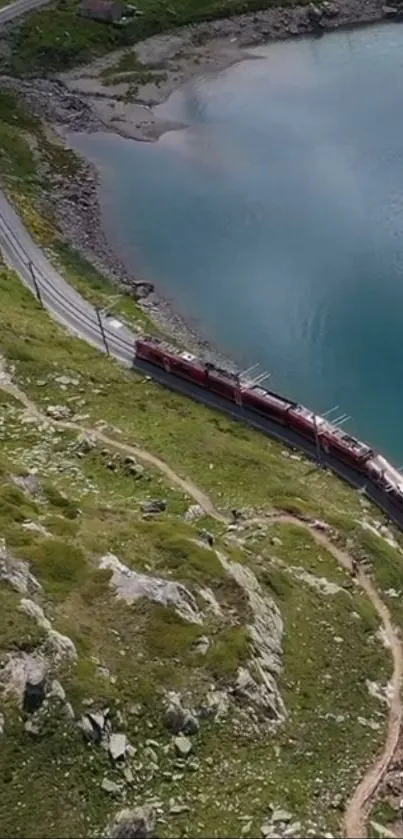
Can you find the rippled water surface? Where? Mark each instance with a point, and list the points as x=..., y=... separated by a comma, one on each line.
x=276, y=219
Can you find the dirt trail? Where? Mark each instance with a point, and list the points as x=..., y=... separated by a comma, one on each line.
x=357, y=810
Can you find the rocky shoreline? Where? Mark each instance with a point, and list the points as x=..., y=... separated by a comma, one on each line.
x=77, y=102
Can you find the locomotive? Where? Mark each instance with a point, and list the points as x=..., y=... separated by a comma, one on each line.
x=270, y=405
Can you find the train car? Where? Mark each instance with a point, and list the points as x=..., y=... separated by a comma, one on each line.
x=267, y=403
x=387, y=478
x=185, y=365
x=303, y=421
x=224, y=383
x=347, y=448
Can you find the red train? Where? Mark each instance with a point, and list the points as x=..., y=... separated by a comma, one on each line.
x=264, y=402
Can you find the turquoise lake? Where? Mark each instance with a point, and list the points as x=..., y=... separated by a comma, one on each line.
x=275, y=221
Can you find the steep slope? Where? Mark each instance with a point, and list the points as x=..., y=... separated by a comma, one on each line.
x=124, y=579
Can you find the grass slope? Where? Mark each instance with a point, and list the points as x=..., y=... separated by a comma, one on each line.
x=87, y=509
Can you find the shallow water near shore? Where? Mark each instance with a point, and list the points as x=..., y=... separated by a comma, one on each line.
x=276, y=219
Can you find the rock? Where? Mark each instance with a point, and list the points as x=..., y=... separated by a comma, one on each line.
x=86, y=443
x=97, y=720
x=275, y=540
x=57, y=691
x=281, y=816
x=330, y=10
x=35, y=688
x=216, y=704
x=389, y=11
x=314, y=14
x=34, y=611
x=16, y=572
x=69, y=711
x=194, y=512
x=183, y=746
x=128, y=775
x=2, y=723
x=132, y=586
x=293, y=831
x=337, y=801
x=202, y=645
x=154, y=506
x=33, y=727
x=110, y=786
x=117, y=746
x=179, y=718
x=29, y=483
x=89, y=731
x=207, y=537
x=177, y=809
x=61, y=647
x=134, y=824
x=257, y=683
x=59, y=412
x=66, y=380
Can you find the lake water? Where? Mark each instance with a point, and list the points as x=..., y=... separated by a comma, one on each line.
x=276, y=219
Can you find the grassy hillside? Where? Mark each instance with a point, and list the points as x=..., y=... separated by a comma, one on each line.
x=85, y=447
x=82, y=500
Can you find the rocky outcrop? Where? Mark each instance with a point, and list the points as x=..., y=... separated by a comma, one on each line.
x=16, y=572
x=256, y=681
x=131, y=586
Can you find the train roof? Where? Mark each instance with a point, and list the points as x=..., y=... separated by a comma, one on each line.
x=260, y=391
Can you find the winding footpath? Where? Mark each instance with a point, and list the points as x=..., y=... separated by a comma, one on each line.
x=358, y=807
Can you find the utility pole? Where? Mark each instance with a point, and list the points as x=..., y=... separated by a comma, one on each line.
x=35, y=282
x=101, y=329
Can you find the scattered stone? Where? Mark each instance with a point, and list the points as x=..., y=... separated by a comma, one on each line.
x=177, y=809
x=117, y=746
x=183, y=746
x=69, y=711
x=110, y=786
x=216, y=704
x=57, y=691
x=281, y=816
x=32, y=727
x=97, y=720
x=134, y=824
x=202, y=645
x=128, y=775
x=194, y=512
x=59, y=412
x=154, y=506
x=389, y=11
x=89, y=731
x=178, y=718
x=337, y=801
x=293, y=830
x=330, y=10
